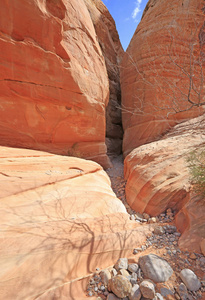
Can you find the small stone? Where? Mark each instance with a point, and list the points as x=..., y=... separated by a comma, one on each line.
x=133, y=268
x=99, y=298
x=112, y=297
x=170, y=228
x=190, y=280
x=92, y=281
x=135, y=251
x=124, y=273
x=159, y=230
x=133, y=281
x=122, y=263
x=145, y=216
x=155, y=268
x=113, y=272
x=152, y=220
x=135, y=293
x=193, y=256
x=202, y=261
x=132, y=217
x=95, y=288
x=159, y=296
x=120, y=286
x=90, y=294
x=143, y=248
x=182, y=291
x=105, y=276
x=166, y=293
x=102, y=288
x=147, y=289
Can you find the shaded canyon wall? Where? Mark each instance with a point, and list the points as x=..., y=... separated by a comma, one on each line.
x=111, y=47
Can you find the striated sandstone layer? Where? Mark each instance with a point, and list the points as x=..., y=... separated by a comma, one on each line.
x=53, y=79
x=190, y=221
x=60, y=220
x=112, y=51
x=162, y=70
x=157, y=173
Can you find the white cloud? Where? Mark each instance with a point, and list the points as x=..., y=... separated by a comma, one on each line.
x=137, y=9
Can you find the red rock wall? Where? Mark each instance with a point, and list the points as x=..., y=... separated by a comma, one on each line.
x=53, y=79
x=157, y=173
x=158, y=178
x=165, y=55
x=113, y=52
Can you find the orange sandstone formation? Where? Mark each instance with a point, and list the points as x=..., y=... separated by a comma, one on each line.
x=161, y=72
x=112, y=51
x=53, y=79
x=60, y=220
x=157, y=173
x=190, y=221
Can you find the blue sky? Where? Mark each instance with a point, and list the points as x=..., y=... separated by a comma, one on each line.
x=127, y=14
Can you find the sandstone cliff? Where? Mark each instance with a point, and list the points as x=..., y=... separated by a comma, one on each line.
x=112, y=51
x=59, y=221
x=53, y=79
x=162, y=70
x=158, y=178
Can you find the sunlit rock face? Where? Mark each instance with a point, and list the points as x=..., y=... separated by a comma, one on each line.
x=162, y=70
x=157, y=173
x=60, y=220
x=53, y=79
x=112, y=51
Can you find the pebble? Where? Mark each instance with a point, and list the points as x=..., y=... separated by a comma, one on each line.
x=112, y=297
x=159, y=296
x=135, y=293
x=122, y=263
x=133, y=267
x=190, y=280
x=182, y=291
x=152, y=220
x=147, y=289
x=159, y=230
x=124, y=273
x=135, y=251
x=105, y=276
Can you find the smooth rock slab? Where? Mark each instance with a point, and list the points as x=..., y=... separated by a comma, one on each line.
x=120, y=286
x=190, y=280
x=155, y=268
